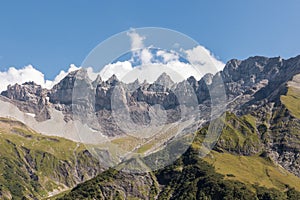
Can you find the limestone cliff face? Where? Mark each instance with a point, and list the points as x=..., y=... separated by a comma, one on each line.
x=29, y=98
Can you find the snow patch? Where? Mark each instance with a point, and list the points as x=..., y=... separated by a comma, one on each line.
x=30, y=114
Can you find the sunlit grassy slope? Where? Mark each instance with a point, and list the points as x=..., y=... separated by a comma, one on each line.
x=222, y=173
x=292, y=101
x=32, y=164
x=240, y=134
x=252, y=170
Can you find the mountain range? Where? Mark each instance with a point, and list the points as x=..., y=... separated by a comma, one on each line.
x=257, y=155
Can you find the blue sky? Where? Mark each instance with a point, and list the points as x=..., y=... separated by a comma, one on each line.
x=51, y=35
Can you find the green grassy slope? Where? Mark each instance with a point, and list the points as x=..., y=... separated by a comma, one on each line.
x=240, y=153
x=33, y=165
x=237, y=170
x=253, y=170
x=188, y=178
x=292, y=100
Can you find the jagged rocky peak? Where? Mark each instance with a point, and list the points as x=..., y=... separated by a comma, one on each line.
x=165, y=80
x=192, y=80
x=257, y=67
x=63, y=91
x=81, y=74
x=134, y=85
x=104, y=91
x=207, y=79
x=31, y=83
x=24, y=92
x=29, y=98
x=136, y=82
x=113, y=80
x=249, y=63
x=202, y=91
x=97, y=81
x=68, y=81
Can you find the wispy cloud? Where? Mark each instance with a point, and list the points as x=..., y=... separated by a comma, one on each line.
x=136, y=40
x=138, y=48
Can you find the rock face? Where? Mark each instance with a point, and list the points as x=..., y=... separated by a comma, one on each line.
x=29, y=98
x=62, y=93
x=253, y=87
x=164, y=80
x=124, y=186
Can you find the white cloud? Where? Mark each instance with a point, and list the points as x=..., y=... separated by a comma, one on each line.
x=136, y=40
x=120, y=69
x=201, y=62
x=13, y=75
x=29, y=73
x=177, y=70
x=146, y=56
x=204, y=59
x=167, y=57
x=137, y=47
x=92, y=75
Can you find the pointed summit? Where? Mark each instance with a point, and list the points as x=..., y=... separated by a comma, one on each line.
x=208, y=78
x=134, y=85
x=78, y=74
x=63, y=92
x=193, y=82
x=165, y=80
x=97, y=81
x=136, y=82
x=113, y=80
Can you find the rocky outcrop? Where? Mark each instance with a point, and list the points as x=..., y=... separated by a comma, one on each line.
x=282, y=139
x=29, y=98
x=62, y=93
x=164, y=80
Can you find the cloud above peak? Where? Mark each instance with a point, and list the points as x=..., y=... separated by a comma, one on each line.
x=29, y=73
x=202, y=57
x=147, y=62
